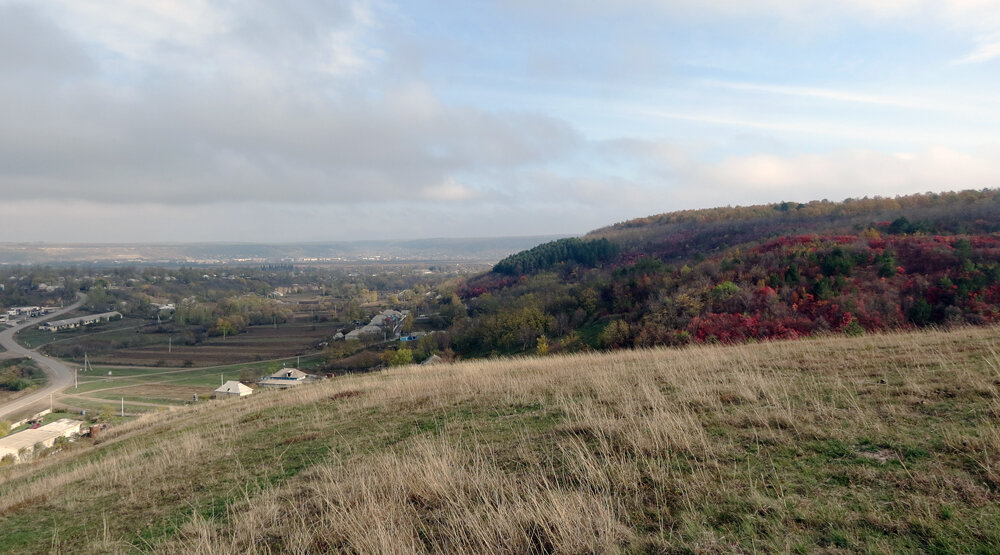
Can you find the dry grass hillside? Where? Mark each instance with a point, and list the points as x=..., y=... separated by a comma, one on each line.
x=877, y=443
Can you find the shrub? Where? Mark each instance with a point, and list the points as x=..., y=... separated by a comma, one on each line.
x=854, y=329
x=399, y=357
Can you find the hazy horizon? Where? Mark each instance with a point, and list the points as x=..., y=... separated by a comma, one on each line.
x=467, y=249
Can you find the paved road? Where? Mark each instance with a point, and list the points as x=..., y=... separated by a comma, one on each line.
x=58, y=373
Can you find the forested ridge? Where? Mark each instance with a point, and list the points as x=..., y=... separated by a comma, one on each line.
x=548, y=255
x=734, y=274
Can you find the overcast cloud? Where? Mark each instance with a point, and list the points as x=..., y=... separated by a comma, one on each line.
x=328, y=120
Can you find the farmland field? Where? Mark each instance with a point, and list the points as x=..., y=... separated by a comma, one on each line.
x=151, y=388
x=256, y=344
x=159, y=393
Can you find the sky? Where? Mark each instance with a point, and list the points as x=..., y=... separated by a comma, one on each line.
x=325, y=120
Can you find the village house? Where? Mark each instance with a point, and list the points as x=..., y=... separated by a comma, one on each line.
x=384, y=325
x=232, y=388
x=432, y=360
x=367, y=331
x=286, y=377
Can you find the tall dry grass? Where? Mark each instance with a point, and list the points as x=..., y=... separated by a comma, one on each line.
x=706, y=448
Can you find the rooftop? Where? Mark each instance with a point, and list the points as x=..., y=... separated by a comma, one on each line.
x=28, y=438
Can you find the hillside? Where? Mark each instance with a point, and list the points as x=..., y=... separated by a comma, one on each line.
x=680, y=235
x=879, y=443
x=747, y=273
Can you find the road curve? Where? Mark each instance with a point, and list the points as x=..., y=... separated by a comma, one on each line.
x=58, y=373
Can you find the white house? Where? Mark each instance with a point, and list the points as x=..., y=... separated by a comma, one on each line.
x=232, y=388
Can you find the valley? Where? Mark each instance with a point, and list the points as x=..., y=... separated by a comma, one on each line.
x=836, y=390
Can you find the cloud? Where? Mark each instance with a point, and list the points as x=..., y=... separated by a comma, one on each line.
x=669, y=177
x=805, y=18
x=968, y=13
x=449, y=191
x=841, y=126
x=677, y=177
x=327, y=114
x=32, y=44
x=987, y=50
x=848, y=173
x=836, y=95
x=175, y=150
x=282, y=103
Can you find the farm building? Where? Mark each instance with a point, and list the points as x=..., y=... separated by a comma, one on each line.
x=45, y=435
x=368, y=331
x=79, y=321
x=384, y=324
x=286, y=377
x=232, y=388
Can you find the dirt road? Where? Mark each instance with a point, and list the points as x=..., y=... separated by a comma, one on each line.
x=58, y=373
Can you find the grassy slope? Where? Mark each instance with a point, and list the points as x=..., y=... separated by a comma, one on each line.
x=881, y=443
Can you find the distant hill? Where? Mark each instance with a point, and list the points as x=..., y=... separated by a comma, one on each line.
x=489, y=249
x=781, y=270
x=679, y=235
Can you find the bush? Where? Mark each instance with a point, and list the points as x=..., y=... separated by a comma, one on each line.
x=854, y=329
x=15, y=384
x=399, y=357
x=921, y=312
x=542, y=346
x=20, y=375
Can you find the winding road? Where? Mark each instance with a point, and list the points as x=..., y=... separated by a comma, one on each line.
x=58, y=373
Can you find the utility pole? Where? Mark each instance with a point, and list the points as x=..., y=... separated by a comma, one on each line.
x=170, y=344
x=123, y=407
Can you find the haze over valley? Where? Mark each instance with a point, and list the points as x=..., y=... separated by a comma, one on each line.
x=474, y=250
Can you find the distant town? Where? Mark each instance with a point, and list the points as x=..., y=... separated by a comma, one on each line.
x=243, y=254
